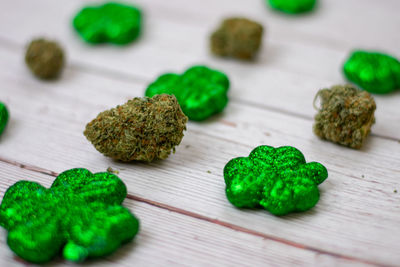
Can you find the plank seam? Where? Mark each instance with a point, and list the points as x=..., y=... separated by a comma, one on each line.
x=208, y=219
x=250, y=232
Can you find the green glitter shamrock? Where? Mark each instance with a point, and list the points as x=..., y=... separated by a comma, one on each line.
x=201, y=91
x=81, y=213
x=277, y=179
x=3, y=117
x=111, y=22
x=293, y=6
x=374, y=72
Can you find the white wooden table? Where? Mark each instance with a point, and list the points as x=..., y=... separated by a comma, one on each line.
x=185, y=217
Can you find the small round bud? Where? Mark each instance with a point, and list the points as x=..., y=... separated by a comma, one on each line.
x=237, y=37
x=44, y=58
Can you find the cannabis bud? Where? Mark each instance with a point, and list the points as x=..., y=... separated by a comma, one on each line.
x=44, y=58
x=237, y=37
x=142, y=129
x=346, y=115
x=374, y=72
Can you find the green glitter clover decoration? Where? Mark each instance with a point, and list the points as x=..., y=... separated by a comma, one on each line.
x=293, y=6
x=111, y=22
x=201, y=91
x=374, y=72
x=3, y=117
x=81, y=213
x=276, y=179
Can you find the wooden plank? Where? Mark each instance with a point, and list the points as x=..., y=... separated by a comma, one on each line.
x=168, y=238
x=356, y=216
x=362, y=211
x=299, y=57
x=325, y=27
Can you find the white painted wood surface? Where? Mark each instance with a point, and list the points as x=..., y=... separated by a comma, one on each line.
x=186, y=219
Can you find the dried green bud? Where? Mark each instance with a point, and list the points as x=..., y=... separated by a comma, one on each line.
x=44, y=58
x=237, y=37
x=142, y=129
x=346, y=115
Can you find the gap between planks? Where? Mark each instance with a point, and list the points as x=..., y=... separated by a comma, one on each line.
x=118, y=75
x=208, y=219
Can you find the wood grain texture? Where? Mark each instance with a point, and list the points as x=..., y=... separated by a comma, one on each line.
x=183, y=181
x=300, y=55
x=170, y=238
x=358, y=215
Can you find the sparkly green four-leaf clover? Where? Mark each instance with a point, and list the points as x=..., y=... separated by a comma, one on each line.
x=293, y=6
x=80, y=213
x=3, y=117
x=373, y=71
x=201, y=91
x=276, y=179
x=111, y=22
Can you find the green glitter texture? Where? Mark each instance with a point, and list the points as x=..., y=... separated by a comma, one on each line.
x=80, y=213
x=3, y=117
x=276, y=179
x=293, y=6
x=111, y=22
x=374, y=72
x=201, y=91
